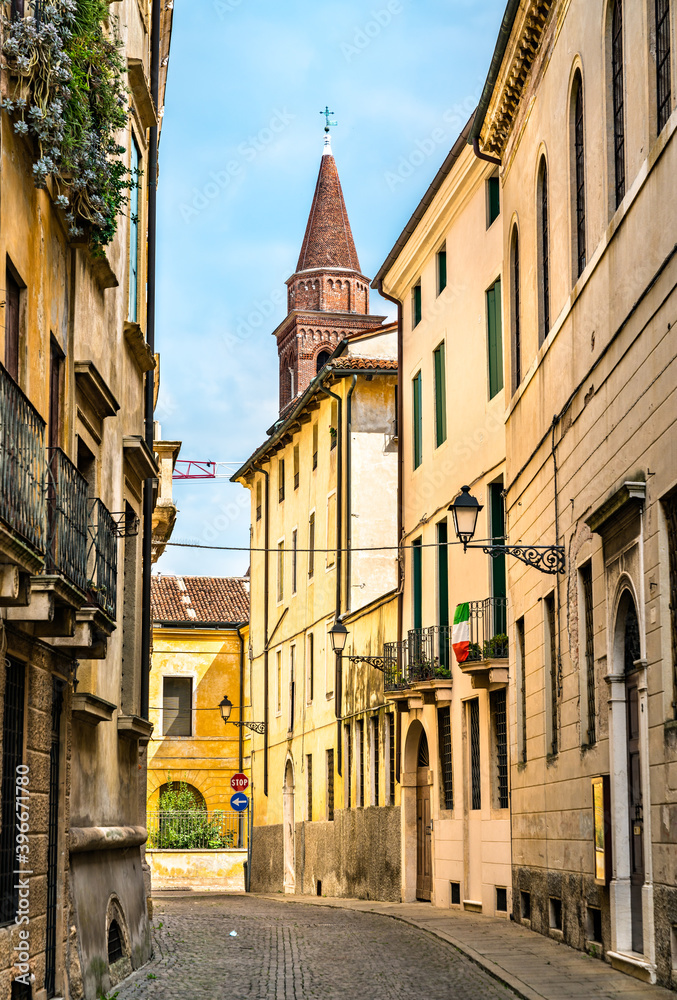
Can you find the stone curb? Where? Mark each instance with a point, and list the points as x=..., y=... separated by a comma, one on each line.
x=495, y=971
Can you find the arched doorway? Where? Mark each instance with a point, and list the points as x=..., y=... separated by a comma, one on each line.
x=288, y=829
x=423, y=822
x=632, y=667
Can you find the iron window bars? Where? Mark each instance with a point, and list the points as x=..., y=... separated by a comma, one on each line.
x=102, y=558
x=67, y=521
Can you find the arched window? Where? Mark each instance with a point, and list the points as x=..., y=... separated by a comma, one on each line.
x=579, y=173
x=617, y=88
x=515, y=309
x=322, y=359
x=115, y=945
x=543, y=252
x=663, y=56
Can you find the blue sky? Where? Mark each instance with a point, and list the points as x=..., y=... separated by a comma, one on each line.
x=240, y=150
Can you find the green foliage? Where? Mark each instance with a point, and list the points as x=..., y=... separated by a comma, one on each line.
x=184, y=824
x=178, y=798
x=70, y=96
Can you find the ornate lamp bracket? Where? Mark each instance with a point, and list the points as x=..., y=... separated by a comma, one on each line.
x=373, y=661
x=545, y=558
x=257, y=727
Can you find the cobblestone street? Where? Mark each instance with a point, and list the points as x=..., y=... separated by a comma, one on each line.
x=298, y=952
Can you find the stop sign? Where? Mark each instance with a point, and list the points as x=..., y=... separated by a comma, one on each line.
x=239, y=782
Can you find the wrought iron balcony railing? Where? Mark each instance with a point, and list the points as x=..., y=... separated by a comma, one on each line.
x=488, y=627
x=103, y=558
x=67, y=537
x=22, y=463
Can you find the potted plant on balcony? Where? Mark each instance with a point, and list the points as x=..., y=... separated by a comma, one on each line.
x=496, y=648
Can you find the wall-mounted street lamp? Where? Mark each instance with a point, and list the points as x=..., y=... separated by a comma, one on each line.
x=339, y=634
x=465, y=510
x=226, y=707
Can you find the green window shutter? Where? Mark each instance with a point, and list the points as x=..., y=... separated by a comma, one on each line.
x=494, y=199
x=416, y=304
x=441, y=271
x=442, y=574
x=418, y=421
x=440, y=396
x=495, y=339
x=498, y=576
x=417, y=581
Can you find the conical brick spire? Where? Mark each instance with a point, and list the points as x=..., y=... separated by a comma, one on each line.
x=328, y=242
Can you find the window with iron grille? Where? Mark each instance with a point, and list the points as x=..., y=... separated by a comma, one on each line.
x=12, y=757
x=522, y=683
x=115, y=951
x=579, y=159
x=545, y=251
x=551, y=659
x=53, y=840
x=310, y=673
x=663, y=56
x=670, y=507
x=309, y=780
x=475, y=770
x=391, y=758
x=360, y=762
x=446, y=762
x=499, y=715
x=617, y=84
x=349, y=766
x=330, y=784
x=516, y=326
x=586, y=584
x=375, y=758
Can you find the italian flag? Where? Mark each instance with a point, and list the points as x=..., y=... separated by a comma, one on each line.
x=460, y=636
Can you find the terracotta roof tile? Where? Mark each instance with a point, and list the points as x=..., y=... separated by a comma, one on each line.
x=199, y=599
x=349, y=361
x=328, y=241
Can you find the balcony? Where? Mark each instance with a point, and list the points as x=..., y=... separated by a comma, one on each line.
x=103, y=559
x=67, y=521
x=487, y=660
x=22, y=499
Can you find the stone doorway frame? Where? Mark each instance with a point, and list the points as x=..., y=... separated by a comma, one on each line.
x=409, y=780
x=289, y=827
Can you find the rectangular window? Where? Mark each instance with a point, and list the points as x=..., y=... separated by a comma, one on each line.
x=279, y=682
x=500, y=724
x=498, y=573
x=417, y=420
x=329, y=666
x=330, y=785
x=280, y=572
x=417, y=581
x=493, y=199
x=333, y=427
x=375, y=761
x=12, y=324
x=360, y=762
x=440, y=395
x=495, y=338
x=311, y=545
x=446, y=762
x=310, y=668
x=292, y=687
x=670, y=509
x=551, y=671
x=331, y=530
x=588, y=637
x=280, y=480
x=294, y=559
x=56, y=365
x=130, y=618
x=416, y=304
x=309, y=780
x=441, y=269
x=135, y=179
x=259, y=503
x=17, y=9
x=520, y=655
x=315, y=445
x=12, y=758
x=475, y=768
x=297, y=473
x=177, y=706
x=663, y=56
x=391, y=758
x=349, y=765
x=443, y=594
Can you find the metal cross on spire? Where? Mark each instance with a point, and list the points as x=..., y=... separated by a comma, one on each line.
x=328, y=119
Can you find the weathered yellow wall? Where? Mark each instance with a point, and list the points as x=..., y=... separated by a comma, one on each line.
x=209, y=758
x=221, y=870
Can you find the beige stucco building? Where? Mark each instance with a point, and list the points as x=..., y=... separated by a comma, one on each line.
x=76, y=461
x=453, y=743
x=579, y=109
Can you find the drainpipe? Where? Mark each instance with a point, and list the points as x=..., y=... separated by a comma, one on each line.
x=240, y=735
x=266, y=545
x=349, y=522
x=400, y=517
x=483, y=156
x=149, y=388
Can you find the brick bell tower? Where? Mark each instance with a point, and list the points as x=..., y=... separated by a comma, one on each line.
x=327, y=296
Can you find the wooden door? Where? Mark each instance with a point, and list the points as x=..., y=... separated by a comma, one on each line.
x=423, y=842
x=635, y=813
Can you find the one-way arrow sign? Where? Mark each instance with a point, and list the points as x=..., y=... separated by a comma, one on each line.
x=239, y=802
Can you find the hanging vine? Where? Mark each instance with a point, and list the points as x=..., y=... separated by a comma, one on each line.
x=69, y=95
